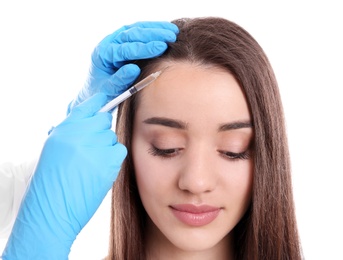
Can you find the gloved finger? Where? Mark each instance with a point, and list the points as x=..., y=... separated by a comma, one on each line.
x=142, y=32
x=113, y=158
x=99, y=139
x=121, y=80
x=78, y=127
x=116, y=155
x=137, y=34
x=133, y=51
x=109, y=51
x=112, y=55
x=89, y=107
x=107, y=138
x=110, y=155
x=119, y=152
x=146, y=24
x=152, y=24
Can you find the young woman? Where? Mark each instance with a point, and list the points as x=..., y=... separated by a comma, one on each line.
x=207, y=174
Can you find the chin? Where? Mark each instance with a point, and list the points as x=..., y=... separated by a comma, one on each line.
x=198, y=242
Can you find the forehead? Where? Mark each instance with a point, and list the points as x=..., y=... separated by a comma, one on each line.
x=187, y=91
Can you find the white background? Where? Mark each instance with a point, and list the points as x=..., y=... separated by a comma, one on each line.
x=45, y=49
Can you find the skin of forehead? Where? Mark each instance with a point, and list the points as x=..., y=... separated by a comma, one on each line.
x=181, y=76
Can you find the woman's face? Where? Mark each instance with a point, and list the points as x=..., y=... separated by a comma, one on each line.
x=191, y=140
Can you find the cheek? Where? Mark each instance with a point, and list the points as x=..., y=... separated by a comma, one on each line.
x=241, y=185
x=243, y=177
x=236, y=186
x=151, y=177
x=145, y=172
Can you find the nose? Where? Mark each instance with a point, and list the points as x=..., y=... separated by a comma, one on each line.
x=197, y=174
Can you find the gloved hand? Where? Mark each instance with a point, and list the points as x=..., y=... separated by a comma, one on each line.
x=110, y=59
x=79, y=162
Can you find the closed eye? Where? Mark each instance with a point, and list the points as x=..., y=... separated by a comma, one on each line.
x=164, y=153
x=172, y=152
x=235, y=156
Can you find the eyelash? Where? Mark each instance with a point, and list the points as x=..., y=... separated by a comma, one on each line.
x=164, y=153
x=169, y=153
x=235, y=156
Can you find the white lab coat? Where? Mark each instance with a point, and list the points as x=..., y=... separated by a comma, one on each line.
x=14, y=179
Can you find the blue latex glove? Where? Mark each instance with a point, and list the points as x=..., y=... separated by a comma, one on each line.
x=79, y=162
x=110, y=59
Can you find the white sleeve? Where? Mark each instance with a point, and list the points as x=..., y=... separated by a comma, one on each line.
x=14, y=179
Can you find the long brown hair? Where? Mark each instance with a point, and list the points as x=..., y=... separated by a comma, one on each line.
x=268, y=230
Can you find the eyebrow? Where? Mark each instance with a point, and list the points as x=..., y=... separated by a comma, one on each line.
x=173, y=123
x=166, y=122
x=235, y=125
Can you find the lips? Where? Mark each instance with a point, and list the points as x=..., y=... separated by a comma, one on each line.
x=193, y=215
